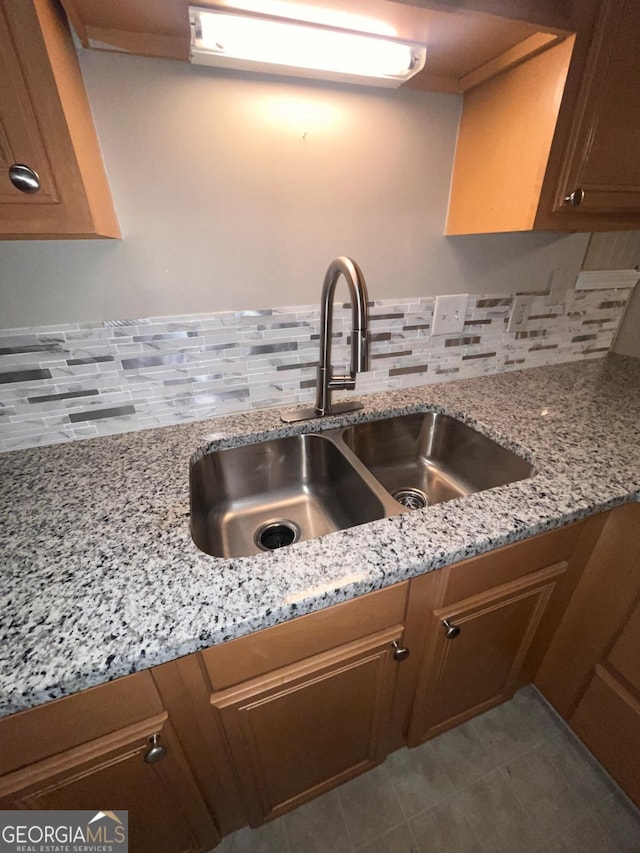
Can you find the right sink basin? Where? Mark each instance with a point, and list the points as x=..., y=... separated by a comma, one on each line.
x=427, y=458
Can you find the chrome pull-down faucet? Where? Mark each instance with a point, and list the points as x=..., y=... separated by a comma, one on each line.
x=327, y=382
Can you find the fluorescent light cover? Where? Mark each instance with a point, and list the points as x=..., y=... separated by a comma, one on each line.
x=294, y=10
x=276, y=46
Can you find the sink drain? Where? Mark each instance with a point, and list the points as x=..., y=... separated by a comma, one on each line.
x=411, y=498
x=276, y=534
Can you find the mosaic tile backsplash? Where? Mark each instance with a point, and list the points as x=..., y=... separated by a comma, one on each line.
x=73, y=381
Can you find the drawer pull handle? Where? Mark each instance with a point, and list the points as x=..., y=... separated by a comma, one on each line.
x=24, y=178
x=451, y=631
x=399, y=653
x=155, y=752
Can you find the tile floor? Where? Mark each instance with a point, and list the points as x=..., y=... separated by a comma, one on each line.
x=511, y=781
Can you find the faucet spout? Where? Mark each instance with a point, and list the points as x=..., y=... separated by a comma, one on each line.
x=359, y=361
x=327, y=382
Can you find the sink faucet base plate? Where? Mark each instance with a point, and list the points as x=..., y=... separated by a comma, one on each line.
x=291, y=416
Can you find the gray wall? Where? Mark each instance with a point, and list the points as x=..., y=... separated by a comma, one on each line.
x=236, y=192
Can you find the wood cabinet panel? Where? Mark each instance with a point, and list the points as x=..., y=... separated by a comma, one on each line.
x=38, y=733
x=46, y=124
x=550, y=144
x=255, y=654
x=468, y=672
x=309, y=727
x=166, y=814
x=625, y=655
x=20, y=138
x=600, y=606
x=505, y=137
x=606, y=131
x=591, y=673
x=511, y=562
x=607, y=720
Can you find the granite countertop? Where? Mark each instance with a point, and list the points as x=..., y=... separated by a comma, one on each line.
x=100, y=577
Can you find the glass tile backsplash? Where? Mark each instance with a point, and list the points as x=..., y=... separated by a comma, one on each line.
x=73, y=381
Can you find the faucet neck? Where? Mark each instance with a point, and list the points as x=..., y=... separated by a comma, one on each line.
x=359, y=330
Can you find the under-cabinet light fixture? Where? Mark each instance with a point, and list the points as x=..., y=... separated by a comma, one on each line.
x=240, y=41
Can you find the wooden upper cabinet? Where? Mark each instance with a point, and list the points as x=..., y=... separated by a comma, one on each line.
x=552, y=143
x=46, y=125
x=603, y=163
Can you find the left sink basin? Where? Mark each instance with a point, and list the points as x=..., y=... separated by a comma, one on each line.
x=259, y=497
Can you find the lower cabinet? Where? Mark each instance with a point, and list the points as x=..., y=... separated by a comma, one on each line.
x=304, y=729
x=476, y=648
x=302, y=723
x=139, y=767
x=607, y=721
x=591, y=673
x=489, y=623
x=245, y=731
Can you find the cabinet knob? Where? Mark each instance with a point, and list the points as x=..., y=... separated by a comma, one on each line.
x=399, y=653
x=575, y=198
x=24, y=178
x=155, y=752
x=451, y=631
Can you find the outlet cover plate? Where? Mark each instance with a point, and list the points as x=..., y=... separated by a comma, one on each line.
x=520, y=311
x=449, y=314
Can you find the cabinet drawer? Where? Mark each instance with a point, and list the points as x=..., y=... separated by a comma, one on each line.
x=511, y=562
x=40, y=732
x=256, y=654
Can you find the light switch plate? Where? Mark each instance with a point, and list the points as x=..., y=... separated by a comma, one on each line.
x=520, y=311
x=449, y=314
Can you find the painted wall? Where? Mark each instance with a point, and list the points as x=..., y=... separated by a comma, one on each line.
x=236, y=192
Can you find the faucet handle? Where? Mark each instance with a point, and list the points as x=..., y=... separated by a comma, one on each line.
x=360, y=351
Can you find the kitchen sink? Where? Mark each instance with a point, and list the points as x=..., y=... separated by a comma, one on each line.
x=260, y=497
x=427, y=458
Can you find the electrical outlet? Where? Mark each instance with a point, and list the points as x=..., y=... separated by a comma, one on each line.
x=520, y=311
x=449, y=314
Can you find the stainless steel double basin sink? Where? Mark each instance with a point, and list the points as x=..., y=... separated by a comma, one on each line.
x=260, y=497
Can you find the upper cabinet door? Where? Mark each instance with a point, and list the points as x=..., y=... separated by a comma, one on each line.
x=552, y=143
x=20, y=138
x=602, y=171
x=46, y=126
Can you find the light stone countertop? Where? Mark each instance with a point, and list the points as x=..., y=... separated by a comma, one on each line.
x=100, y=577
